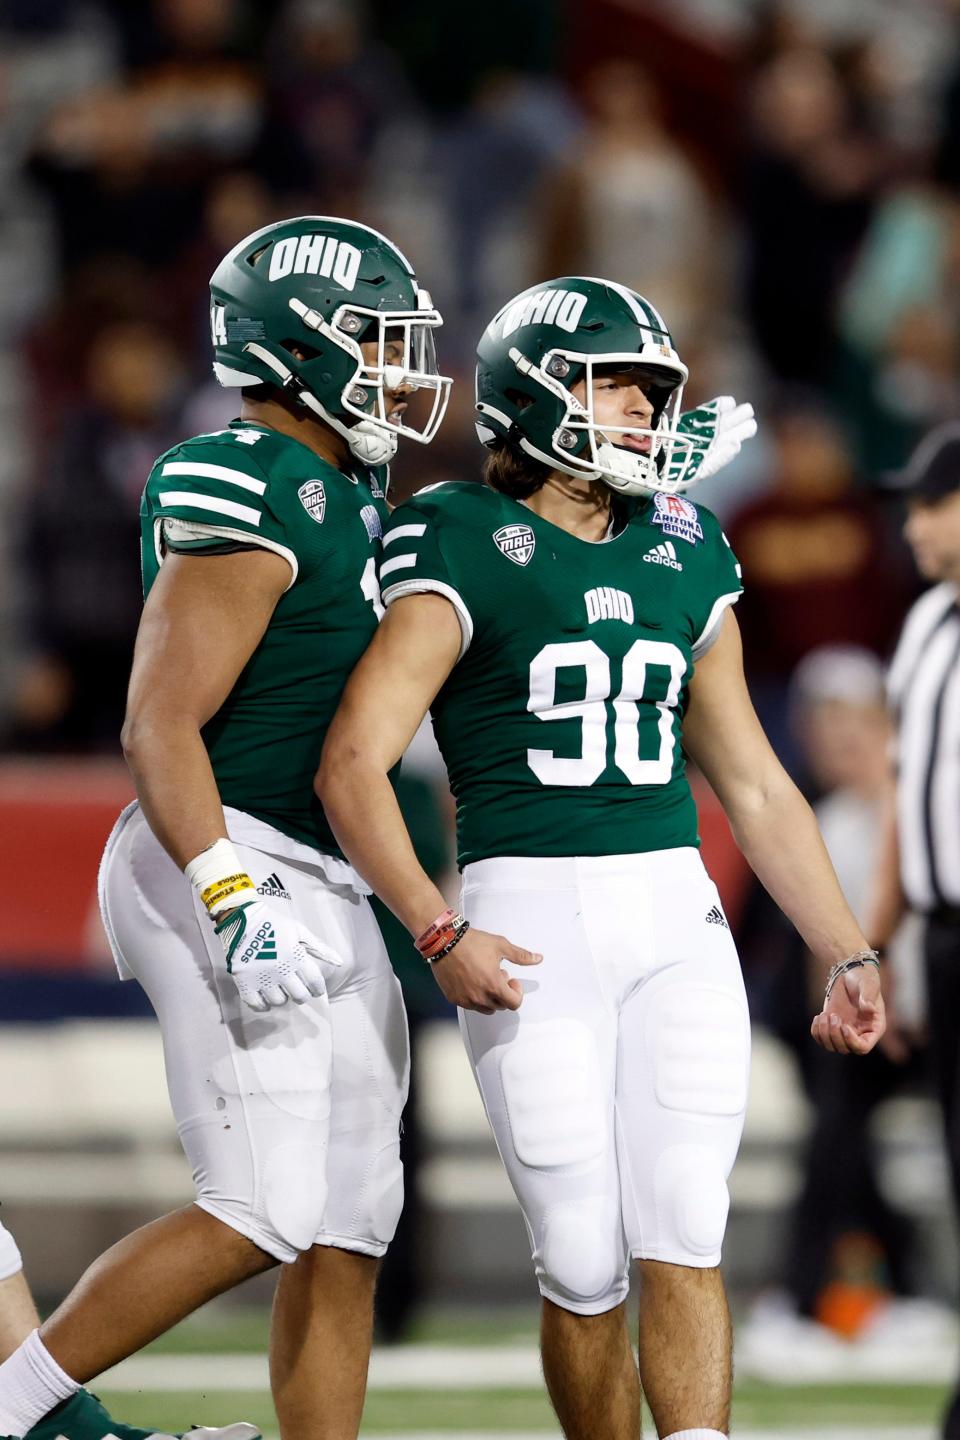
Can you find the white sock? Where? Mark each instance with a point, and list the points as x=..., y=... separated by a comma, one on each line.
x=31, y=1384
x=696, y=1435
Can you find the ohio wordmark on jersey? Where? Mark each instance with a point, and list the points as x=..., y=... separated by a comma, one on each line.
x=560, y=724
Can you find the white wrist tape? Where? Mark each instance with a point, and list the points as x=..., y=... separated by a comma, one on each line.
x=218, y=876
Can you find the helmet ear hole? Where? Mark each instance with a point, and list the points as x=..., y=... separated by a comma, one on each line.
x=300, y=349
x=520, y=398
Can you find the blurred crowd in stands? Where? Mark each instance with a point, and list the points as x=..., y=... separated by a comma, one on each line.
x=781, y=179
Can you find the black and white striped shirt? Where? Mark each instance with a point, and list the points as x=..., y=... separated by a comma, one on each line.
x=924, y=690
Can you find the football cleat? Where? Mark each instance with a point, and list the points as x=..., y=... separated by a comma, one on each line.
x=82, y=1417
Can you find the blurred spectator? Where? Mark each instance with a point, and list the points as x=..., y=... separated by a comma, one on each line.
x=839, y=709
x=899, y=321
x=82, y=533
x=336, y=90
x=818, y=565
x=810, y=176
x=125, y=165
x=629, y=204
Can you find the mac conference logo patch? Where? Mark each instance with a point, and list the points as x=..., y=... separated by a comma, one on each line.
x=517, y=542
x=313, y=499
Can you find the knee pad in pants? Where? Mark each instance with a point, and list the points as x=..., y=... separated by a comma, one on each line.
x=582, y=1261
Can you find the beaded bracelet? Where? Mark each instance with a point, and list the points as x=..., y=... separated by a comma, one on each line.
x=455, y=939
x=852, y=962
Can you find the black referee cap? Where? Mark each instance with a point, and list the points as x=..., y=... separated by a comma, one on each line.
x=933, y=470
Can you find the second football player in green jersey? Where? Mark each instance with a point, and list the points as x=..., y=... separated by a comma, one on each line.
x=560, y=724
x=251, y=486
x=221, y=888
x=560, y=624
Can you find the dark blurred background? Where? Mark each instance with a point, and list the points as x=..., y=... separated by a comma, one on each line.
x=783, y=181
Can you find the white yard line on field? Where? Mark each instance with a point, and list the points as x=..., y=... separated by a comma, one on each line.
x=410, y=1367
x=512, y=1367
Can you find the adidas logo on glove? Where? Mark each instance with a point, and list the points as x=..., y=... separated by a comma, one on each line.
x=664, y=554
x=261, y=946
x=715, y=916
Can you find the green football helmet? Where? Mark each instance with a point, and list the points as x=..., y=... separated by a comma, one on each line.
x=323, y=287
x=547, y=339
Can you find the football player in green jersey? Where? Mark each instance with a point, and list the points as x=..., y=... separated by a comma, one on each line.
x=570, y=626
x=222, y=888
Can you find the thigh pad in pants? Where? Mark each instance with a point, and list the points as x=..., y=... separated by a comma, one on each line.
x=682, y=1102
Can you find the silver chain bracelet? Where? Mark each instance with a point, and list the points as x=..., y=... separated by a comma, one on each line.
x=852, y=962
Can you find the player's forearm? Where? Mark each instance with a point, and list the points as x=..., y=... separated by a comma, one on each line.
x=781, y=841
x=175, y=785
x=362, y=809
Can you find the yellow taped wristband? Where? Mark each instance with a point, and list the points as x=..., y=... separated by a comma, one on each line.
x=221, y=890
x=219, y=877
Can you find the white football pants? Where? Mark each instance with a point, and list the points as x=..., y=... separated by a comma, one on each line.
x=290, y=1119
x=617, y=1091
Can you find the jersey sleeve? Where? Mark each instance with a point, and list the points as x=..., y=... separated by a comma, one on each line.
x=209, y=499
x=414, y=562
x=723, y=587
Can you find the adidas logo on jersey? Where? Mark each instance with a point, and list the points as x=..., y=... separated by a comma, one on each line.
x=715, y=916
x=664, y=554
x=273, y=885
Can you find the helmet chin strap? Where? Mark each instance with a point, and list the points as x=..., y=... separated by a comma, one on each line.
x=626, y=472
x=370, y=444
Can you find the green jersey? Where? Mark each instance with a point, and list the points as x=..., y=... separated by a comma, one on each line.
x=252, y=486
x=560, y=724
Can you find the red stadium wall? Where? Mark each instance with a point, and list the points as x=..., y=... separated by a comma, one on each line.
x=55, y=816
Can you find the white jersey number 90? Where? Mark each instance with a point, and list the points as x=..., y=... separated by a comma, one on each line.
x=589, y=765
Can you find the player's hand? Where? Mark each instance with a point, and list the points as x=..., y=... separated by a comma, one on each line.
x=271, y=956
x=853, y=1019
x=716, y=431
x=471, y=975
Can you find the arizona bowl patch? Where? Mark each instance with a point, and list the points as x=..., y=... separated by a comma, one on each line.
x=517, y=542
x=678, y=517
x=313, y=498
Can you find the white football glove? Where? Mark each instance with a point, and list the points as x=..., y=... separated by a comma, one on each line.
x=271, y=956
x=718, y=429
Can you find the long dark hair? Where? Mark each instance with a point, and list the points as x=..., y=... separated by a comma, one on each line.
x=508, y=469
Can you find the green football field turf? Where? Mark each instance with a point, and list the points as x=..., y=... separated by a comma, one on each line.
x=858, y=1409
x=492, y=1411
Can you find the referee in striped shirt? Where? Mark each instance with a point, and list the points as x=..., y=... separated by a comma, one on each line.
x=920, y=866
